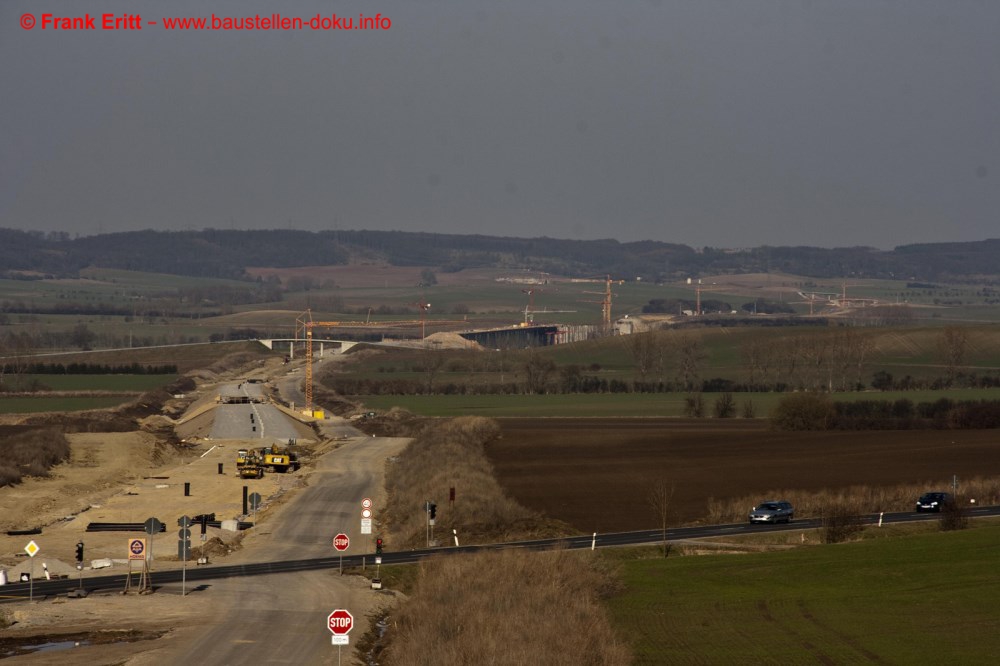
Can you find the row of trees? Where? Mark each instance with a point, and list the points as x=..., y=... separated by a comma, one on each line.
x=816, y=411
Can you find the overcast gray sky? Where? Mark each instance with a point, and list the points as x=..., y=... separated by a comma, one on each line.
x=728, y=123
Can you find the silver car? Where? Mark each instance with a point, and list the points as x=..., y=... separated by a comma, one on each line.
x=772, y=512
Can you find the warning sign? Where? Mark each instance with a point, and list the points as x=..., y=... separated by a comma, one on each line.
x=136, y=549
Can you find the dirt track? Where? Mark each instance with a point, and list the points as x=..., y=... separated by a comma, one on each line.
x=596, y=473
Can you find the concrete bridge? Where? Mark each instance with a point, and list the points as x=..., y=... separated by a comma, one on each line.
x=334, y=346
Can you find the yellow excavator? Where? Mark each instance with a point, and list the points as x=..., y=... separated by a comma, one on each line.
x=278, y=459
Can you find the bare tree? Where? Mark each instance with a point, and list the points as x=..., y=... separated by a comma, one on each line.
x=643, y=348
x=725, y=406
x=18, y=352
x=814, y=353
x=691, y=355
x=951, y=348
x=3, y=361
x=537, y=369
x=432, y=360
x=82, y=336
x=861, y=347
x=790, y=359
x=694, y=405
x=755, y=357
x=661, y=500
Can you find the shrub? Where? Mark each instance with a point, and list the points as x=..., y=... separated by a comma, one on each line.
x=954, y=516
x=31, y=453
x=694, y=406
x=9, y=476
x=840, y=523
x=725, y=406
x=803, y=411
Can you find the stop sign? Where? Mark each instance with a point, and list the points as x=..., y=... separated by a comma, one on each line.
x=341, y=542
x=340, y=622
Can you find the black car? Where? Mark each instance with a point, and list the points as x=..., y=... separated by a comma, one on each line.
x=934, y=501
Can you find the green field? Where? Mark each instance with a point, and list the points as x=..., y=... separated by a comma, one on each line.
x=624, y=404
x=131, y=383
x=58, y=404
x=928, y=599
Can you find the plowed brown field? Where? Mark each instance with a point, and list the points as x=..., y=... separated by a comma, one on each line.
x=596, y=474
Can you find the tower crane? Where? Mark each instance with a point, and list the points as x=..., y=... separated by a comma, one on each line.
x=606, y=302
x=530, y=309
x=424, y=307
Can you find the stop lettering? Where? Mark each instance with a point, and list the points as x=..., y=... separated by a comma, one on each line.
x=340, y=622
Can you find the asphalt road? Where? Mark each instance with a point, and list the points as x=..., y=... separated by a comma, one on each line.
x=330, y=561
x=280, y=619
x=250, y=421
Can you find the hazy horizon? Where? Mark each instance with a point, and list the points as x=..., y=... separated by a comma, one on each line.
x=730, y=123
x=77, y=234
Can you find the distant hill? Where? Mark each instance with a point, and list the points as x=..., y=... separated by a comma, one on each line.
x=227, y=253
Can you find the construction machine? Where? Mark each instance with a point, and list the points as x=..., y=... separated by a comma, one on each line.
x=249, y=464
x=279, y=459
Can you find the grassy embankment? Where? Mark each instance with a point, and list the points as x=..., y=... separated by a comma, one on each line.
x=919, y=599
x=511, y=607
x=473, y=608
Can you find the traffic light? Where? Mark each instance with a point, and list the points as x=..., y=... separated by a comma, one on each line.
x=378, y=546
x=79, y=552
x=434, y=510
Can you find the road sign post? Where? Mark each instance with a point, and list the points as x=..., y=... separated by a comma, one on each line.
x=340, y=622
x=151, y=527
x=254, y=503
x=79, y=561
x=137, y=552
x=31, y=549
x=184, y=549
x=341, y=542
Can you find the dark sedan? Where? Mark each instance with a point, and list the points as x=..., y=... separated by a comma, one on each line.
x=934, y=501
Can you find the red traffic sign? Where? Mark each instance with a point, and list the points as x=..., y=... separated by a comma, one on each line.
x=340, y=622
x=341, y=542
